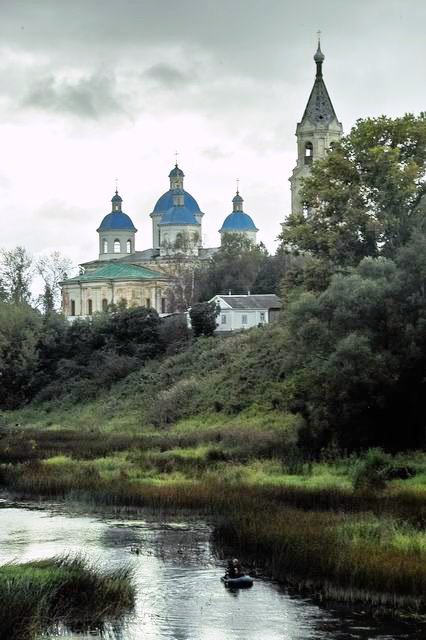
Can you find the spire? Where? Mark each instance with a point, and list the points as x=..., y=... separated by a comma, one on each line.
x=319, y=110
x=319, y=57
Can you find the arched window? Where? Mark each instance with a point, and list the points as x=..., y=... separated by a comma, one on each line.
x=309, y=153
x=117, y=246
x=73, y=307
x=179, y=241
x=129, y=246
x=89, y=307
x=104, y=305
x=105, y=245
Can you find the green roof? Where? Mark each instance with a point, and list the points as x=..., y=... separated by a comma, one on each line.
x=114, y=271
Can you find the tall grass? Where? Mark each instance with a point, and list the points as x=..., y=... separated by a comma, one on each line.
x=37, y=595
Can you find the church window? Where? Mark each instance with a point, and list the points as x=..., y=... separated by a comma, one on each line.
x=148, y=302
x=163, y=305
x=104, y=305
x=309, y=153
x=89, y=307
x=129, y=246
x=117, y=246
x=105, y=246
x=73, y=307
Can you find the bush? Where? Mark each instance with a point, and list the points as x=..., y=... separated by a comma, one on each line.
x=372, y=471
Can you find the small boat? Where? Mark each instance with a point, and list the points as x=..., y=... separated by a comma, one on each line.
x=242, y=582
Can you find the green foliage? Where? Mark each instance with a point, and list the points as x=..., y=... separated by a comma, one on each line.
x=365, y=198
x=358, y=349
x=20, y=328
x=372, y=471
x=16, y=275
x=203, y=318
x=37, y=595
x=234, y=267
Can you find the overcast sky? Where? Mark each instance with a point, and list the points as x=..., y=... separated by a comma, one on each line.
x=91, y=90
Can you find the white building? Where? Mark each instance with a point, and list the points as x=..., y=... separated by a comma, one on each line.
x=243, y=312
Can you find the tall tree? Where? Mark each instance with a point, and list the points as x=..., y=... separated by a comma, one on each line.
x=235, y=267
x=16, y=273
x=366, y=196
x=52, y=269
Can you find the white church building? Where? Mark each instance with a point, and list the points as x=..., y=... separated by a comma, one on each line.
x=122, y=274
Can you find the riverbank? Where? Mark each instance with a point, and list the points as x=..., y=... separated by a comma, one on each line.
x=36, y=596
x=344, y=527
x=332, y=541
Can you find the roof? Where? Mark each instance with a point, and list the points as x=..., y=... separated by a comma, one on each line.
x=238, y=221
x=114, y=271
x=117, y=220
x=257, y=301
x=319, y=109
x=178, y=215
x=176, y=172
x=166, y=202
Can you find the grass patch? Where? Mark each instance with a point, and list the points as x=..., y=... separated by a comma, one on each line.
x=38, y=595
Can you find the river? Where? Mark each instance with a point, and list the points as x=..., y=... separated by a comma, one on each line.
x=180, y=596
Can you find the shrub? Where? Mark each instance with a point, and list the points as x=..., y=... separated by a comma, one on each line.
x=372, y=471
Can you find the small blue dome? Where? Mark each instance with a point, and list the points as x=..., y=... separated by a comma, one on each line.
x=117, y=220
x=166, y=202
x=175, y=172
x=178, y=215
x=117, y=198
x=238, y=221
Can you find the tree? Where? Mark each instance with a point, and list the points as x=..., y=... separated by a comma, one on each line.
x=203, y=318
x=16, y=275
x=366, y=197
x=20, y=328
x=235, y=267
x=358, y=354
x=52, y=269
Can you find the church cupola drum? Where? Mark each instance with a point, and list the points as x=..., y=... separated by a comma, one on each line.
x=116, y=232
x=166, y=202
x=315, y=133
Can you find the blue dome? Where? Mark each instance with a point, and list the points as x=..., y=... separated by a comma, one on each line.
x=166, y=202
x=176, y=172
x=178, y=215
x=117, y=220
x=238, y=221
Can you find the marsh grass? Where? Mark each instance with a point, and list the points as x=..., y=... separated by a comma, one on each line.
x=37, y=595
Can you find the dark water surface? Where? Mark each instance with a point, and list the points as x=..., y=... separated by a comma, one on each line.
x=180, y=596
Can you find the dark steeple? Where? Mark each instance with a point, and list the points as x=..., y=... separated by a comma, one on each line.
x=319, y=109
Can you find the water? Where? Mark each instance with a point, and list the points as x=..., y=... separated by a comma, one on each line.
x=180, y=596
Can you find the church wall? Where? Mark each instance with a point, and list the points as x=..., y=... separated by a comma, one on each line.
x=145, y=293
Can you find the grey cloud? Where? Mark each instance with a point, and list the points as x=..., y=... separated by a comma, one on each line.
x=168, y=76
x=90, y=97
x=215, y=153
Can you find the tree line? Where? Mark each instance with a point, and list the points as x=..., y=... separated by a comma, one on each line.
x=350, y=268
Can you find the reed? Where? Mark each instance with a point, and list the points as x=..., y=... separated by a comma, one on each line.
x=37, y=595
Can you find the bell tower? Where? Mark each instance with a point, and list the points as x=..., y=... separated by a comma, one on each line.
x=315, y=133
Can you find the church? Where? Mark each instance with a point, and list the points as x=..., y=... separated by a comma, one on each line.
x=123, y=275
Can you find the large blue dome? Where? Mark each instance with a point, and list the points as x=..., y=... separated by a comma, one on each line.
x=117, y=220
x=178, y=215
x=238, y=221
x=166, y=202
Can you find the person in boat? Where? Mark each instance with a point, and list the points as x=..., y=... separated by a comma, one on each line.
x=234, y=569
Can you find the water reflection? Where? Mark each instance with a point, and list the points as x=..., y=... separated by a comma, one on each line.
x=180, y=596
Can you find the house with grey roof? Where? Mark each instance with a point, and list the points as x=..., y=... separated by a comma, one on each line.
x=244, y=311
